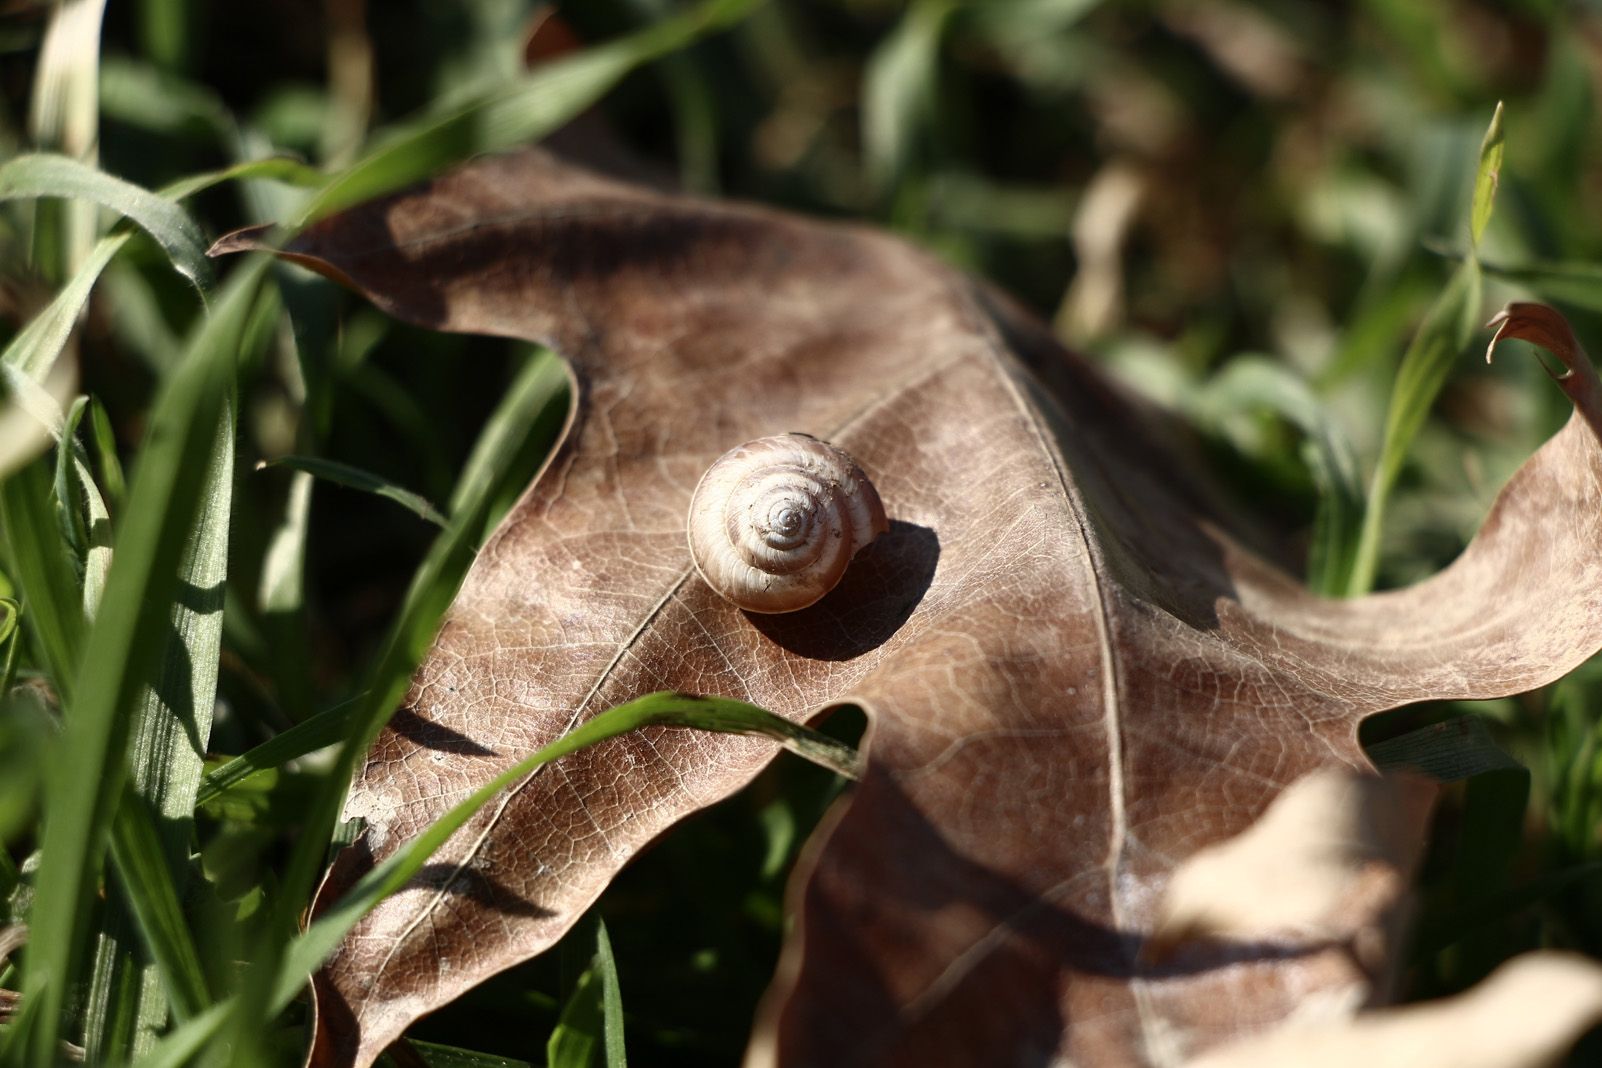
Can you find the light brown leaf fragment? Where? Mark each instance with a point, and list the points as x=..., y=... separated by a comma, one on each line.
x=1525, y=1015
x=1333, y=847
x=1076, y=678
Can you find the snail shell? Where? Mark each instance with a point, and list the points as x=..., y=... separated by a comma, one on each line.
x=774, y=522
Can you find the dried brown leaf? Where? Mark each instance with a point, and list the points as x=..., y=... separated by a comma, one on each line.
x=1076, y=678
x=1525, y=1015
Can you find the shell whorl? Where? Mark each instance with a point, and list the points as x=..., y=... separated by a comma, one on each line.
x=774, y=522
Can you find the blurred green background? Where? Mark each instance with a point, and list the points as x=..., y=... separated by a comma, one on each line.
x=1242, y=210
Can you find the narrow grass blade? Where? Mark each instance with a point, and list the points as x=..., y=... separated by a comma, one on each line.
x=576, y=1038
x=1487, y=176
x=46, y=175
x=1428, y=361
x=42, y=569
x=167, y=30
x=523, y=111
x=900, y=90
x=160, y=102
x=64, y=116
x=124, y=649
x=611, y=999
x=1577, y=284
x=317, y=732
x=63, y=111
x=104, y=443
x=179, y=1046
x=10, y=612
x=283, y=169
x=69, y=517
x=1425, y=366
x=592, y=1019
x=172, y=724
x=357, y=479
x=136, y=849
x=719, y=714
x=281, y=595
x=87, y=528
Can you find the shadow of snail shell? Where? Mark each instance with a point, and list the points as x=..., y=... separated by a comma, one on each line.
x=775, y=521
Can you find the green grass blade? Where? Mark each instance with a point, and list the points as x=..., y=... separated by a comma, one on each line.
x=136, y=94
x=70, y=517
x=10, y=614
x=46, y=175
x=63, y=112
x=179, y=1046
x=592, y=1019
x=611, y=999
x=168, y=31
x=172, y=724
x=84, y=519
x=900, y=91
x=41, y=566
x=1428, y=361
x=1577, y=284
x=526, y=110
x=124, y=649
x=104, y=442
x=666, y=709
x=1445, y=333
x=357, y=479
x=137, y=851
x=80, y=510
x=64, y=116
x=1487, y=176
x=281, y=595
x=283, y=169
x=576, y=1038
x=316, y=732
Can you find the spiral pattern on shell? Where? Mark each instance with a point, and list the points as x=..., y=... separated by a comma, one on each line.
x=774, y=522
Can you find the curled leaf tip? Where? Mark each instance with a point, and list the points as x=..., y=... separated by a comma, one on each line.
x=1539, y=324
x=246, y=239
